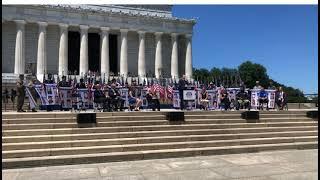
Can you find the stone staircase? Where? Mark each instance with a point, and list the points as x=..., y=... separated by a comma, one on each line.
x=40, y=139
x=10, y=106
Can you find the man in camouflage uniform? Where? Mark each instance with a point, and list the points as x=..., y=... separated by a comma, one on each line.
x=20, y=94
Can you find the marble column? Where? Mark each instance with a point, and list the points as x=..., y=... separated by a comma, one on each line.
x=19, y=64
x=124, y=53
x=141, y=55
x=174, y=57
x=105, y=64
x=158, y=58
x=83, y=49
x=63, y=50
x=188, y=65
x=42, y=50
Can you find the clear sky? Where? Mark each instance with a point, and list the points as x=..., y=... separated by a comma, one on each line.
x=283, y=38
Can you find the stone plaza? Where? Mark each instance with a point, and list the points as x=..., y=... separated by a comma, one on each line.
x=274, y=165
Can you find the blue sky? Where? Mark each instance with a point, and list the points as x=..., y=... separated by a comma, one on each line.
x=283, y=38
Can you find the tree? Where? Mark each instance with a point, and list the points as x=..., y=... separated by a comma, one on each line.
x=201, y=75
x=252, y=72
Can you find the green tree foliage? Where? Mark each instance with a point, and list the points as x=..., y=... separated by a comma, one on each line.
x=247, y=72
x=252, y=72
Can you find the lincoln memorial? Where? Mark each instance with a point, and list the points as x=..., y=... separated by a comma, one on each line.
x=125, y=40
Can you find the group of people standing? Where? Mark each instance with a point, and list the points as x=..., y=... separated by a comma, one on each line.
x=109, y=97
x=243, y=98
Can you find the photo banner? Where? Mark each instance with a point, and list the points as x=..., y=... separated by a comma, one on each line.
x=42, y=94
x=52, y=94
x=32, y=101
x=255, y=98
x=65, y=94
x=176, y=99
x=83, y=99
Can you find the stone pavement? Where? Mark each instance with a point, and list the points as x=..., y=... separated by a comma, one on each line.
x=267, y=165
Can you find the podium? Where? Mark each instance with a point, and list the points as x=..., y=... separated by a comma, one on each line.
x=190, y=97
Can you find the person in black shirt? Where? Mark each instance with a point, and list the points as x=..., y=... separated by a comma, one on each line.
x=100, y=98
x=153, y=101
x=13, y=95
x=21, y=95
x=225, y=102
x=182, y=86
x=243, y=101
x=115, y=97
x=64, y=82
x=5, y=96
x=204, y=98
x=81, y=84
x=49, y=80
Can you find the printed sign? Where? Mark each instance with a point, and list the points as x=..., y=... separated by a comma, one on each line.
x=65, y=94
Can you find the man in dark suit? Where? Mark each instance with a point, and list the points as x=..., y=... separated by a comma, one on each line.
x=182, y=86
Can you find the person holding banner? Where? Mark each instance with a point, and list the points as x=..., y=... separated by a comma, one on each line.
x=263, y=98
x=49, y=80
x=64, y=82
x=81, y=84
x=153, y=100
x=242, y=98
x=32, y=95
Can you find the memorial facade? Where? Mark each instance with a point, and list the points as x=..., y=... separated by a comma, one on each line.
x=126, y=40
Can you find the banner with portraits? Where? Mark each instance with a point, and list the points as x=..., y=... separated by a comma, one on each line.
x=175, y=99
x=65, y=94
x=212, y=97
x=124, y=94
x=190, y=98
x=83, y=98
x=255, y=98
x=143, y=96
x=52, y=94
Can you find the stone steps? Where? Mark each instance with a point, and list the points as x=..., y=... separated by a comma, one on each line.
x=150, y=123
x=56, y=129
x=27, y=120
x=144, y=140
x=207, y=132
x=150, y=146
x=148, y=154
x=53, y=138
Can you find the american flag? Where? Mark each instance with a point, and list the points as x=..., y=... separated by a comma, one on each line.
x=169, y=91
x=158, y=88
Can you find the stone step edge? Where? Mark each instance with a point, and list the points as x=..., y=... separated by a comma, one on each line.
x=234, y=130
x=178, y=138
x=150, y=154
x=163, y=112
x=294, y=139
x=263, y=120
x=170, y=125
x=73, y=130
